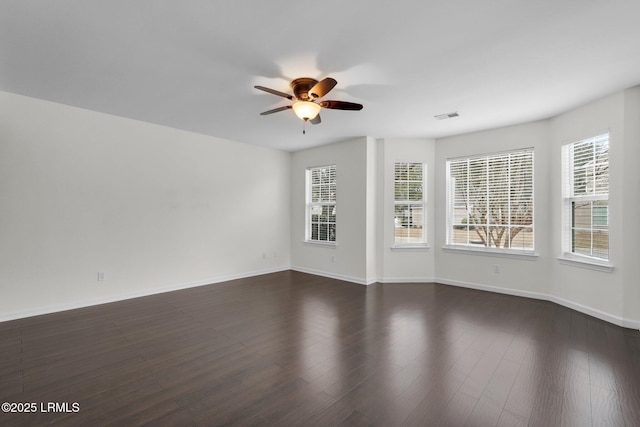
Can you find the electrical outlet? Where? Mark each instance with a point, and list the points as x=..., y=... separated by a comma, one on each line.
x=496, y=269
x=101, y=276
x=333, y=258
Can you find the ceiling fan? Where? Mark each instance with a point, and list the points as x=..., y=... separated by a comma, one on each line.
x=306, y=92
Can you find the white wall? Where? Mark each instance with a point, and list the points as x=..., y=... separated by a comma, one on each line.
x=612, y=296
x=631, y=205
x=348, y=258
x=518, y=276
x=586, y=288
x=363, y=253
x=154, y=208
x=404, y=265
x=371, y=212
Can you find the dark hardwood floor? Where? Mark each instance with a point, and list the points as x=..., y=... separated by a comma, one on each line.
x=295, y=349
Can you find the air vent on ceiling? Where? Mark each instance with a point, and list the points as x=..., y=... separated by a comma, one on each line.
x=447, y=115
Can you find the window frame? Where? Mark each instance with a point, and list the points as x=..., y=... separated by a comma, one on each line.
x=322, y=204
x=528, y=154
x=569, y=198
x=422, y=203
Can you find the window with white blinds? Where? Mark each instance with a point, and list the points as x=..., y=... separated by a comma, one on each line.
x=409, y=204
x=490, y=201
x=321, y=204
x=586, y=197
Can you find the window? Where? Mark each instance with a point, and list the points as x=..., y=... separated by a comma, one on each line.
x=409, y=204
x=321, y=204
x=586, y=197
x=490, y=201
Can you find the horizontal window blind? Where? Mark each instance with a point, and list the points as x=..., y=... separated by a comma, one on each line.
x=490, y=201
x=589, y=167
x=321, y=204
x=409, y=203
x=586, y=197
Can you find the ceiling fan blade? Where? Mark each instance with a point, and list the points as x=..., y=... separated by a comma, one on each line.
x=275, y=110
x=322, y=88
x=316, y=120
x=341, y=105
x=274, y=92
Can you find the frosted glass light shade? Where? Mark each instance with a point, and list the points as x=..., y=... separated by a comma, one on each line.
x=306, y=110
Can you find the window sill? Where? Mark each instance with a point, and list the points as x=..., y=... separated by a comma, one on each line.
x=321, y=244
x=529, y=255
x=409, y=248
x=585, y=262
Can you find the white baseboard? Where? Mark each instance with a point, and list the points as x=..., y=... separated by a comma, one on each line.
x=120, y=297
x=407, y=280
x=616, y=320
x=598, y=314
x=489, y=288
x=352, y=279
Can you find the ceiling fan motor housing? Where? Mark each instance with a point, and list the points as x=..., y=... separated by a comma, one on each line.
x=302, y=86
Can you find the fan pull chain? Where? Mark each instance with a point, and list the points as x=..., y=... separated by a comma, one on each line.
x=304, y=124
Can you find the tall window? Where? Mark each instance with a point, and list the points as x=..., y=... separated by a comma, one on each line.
x=490, y=201
x=409, y=200
x=586, y=197
x=321, y=204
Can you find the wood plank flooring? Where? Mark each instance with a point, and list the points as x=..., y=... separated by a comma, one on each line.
x=294, y=349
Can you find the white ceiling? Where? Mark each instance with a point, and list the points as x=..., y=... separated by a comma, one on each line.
x=192, y=64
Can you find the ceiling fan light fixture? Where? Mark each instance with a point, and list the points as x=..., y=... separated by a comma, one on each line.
x=306, y=110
